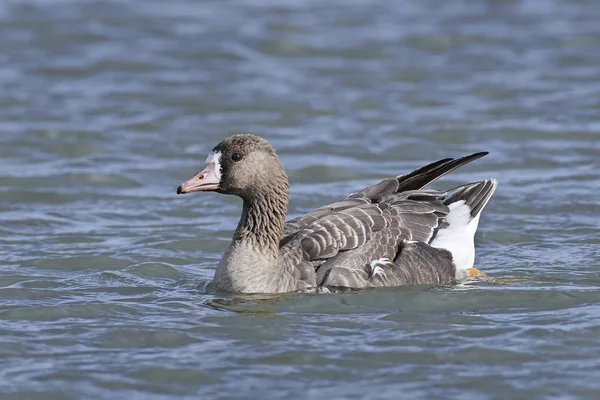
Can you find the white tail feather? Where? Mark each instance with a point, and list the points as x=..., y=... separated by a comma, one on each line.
x=458, y=236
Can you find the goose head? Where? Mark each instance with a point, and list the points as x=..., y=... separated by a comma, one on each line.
x=244, y=165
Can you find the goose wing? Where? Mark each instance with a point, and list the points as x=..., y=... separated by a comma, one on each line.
x=390, y=187
x=368, y=225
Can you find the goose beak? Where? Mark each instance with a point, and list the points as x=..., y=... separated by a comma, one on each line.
x=204, y=181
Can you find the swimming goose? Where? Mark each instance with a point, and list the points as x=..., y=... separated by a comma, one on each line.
x=392, y=233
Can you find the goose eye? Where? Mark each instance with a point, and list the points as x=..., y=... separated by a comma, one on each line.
x=236, y=157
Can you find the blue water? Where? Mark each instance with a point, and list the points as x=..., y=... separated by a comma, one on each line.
x=106, y=106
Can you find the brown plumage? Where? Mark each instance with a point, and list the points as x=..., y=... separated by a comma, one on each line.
x=392, y=233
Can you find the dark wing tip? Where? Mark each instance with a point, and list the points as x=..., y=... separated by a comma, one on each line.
x=479, y=154
x=423, y=176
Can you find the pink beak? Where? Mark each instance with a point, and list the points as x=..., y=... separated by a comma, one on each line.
x=204, y=181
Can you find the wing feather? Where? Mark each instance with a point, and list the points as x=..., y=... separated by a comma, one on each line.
x=368, y=225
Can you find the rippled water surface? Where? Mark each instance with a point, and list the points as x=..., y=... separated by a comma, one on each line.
x=105, y=107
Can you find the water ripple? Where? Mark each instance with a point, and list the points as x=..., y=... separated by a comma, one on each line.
x=107, y=106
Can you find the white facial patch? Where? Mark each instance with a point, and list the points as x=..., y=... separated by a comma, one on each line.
x=214, y=157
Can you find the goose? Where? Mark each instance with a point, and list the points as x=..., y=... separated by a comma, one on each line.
x=393, y=233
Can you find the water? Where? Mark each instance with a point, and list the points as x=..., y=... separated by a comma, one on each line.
x=105, y=107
